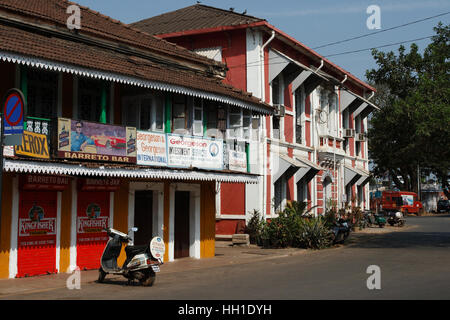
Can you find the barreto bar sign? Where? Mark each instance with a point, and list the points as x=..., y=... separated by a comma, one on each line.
x=85, y=140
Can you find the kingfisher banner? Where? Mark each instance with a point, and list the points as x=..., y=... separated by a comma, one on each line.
x=190, y=152
x=84, y=140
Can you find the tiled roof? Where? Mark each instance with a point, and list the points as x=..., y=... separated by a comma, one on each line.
x=96, y=24
x=194, y=17
x=62, y=49
x=200, y=18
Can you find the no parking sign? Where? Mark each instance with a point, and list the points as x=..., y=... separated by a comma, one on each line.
x=13, y=112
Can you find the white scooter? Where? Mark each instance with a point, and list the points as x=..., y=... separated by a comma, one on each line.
x=142, y=262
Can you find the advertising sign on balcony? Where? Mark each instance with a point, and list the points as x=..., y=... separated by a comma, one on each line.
x=237, y=161
x=33, y=145
x=151, y=148
x=186, y=152
x=84, y=140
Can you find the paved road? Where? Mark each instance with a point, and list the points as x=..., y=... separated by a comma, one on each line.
x=414, y=264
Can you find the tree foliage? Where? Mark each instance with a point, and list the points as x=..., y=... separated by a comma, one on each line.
x=412, y=127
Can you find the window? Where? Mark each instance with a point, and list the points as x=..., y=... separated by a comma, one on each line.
x=179, y=114
x=358, y=130
x=145, y=112
x=42, y=93
x=276, y=91
x=299, y=115
x=332, y=114
x=235, y=122
x=197, y=126
x=276, y=127
x=93, y=100
x=278, y=192
x=246, y=124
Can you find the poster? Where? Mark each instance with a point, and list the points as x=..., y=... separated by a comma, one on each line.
x=237, y=161
x=408, y=200
x=84, y=140
x=93, y=216
x=151, y=149
x=186, y=152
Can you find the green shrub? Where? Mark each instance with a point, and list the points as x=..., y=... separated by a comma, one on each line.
x=254, y=227
x=312, y=233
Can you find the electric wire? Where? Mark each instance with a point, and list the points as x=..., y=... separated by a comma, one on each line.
x=384, y=30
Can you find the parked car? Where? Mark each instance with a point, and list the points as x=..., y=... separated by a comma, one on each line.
x=443, y=206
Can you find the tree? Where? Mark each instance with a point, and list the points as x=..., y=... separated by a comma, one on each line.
x=412, y=127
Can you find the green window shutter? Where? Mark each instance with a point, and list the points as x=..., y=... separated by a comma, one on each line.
x=168, y=114
x=103, y=103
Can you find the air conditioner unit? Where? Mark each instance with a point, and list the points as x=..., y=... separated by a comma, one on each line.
x=360, y=137
x=349, y=133
x=280, y=110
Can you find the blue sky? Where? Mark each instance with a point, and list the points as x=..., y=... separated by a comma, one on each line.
x=313, y=23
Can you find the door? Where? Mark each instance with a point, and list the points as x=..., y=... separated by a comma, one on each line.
x=92, y=220
x=182, y=205
x=36, y=252
x=143, y=217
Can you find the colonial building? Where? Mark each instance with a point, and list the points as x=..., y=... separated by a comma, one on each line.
x=314, y=147
x=122, y=129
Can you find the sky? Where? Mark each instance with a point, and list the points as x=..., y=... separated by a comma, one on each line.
x=314, y=23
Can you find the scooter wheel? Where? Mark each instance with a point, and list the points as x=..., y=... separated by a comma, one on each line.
x=149, y=280
x=101, y=275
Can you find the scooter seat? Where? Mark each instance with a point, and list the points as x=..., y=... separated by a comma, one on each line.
x=134, y=250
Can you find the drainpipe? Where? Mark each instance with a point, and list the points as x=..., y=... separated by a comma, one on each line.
x=345, y=79
x=371, y=95
x=261, y=56
x=320, y=67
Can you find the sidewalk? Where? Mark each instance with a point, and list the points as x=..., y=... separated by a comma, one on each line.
x=226, y=254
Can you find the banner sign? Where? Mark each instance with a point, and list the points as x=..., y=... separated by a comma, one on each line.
x=37, y=218
x=84, y=140
x=151, y=148
x=237, y=161
x=103, y=184
x=43, y=183
x=186, y=152
x=92, y=216
x=33, y=145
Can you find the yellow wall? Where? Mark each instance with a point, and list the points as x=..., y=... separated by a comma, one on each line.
x=5, y=232
x=166, y=218
x=207, y=220
x=121, y=214
x=66, y=219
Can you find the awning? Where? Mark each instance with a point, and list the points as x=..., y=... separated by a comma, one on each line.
x=357, y=104
x=41, y=167
x=306, y=174
x=294, y=72
x=365, y=177
x=284, y=165
x=354, y=175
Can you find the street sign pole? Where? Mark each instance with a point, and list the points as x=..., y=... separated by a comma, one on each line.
x=13, y=115
x=1, y=169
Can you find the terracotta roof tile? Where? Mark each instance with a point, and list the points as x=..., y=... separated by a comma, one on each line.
x=97, y=24
x=194, y=17
x=74, y=53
